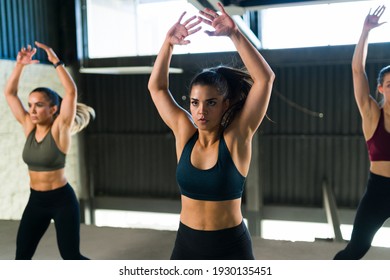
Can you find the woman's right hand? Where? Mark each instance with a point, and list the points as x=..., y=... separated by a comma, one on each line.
x=223, y=24
x=25, y=56
x=372, y=20
x=180, y=31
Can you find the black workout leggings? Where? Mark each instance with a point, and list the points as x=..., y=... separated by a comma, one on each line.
x=226, y=244
x=373, y=211
x=62, y=206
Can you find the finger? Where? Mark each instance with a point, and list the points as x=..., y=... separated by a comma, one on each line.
x=210, y=33
x=211, y=12
x=188, y=20
x=206, y=21
x=207, y=13
x=192, y=25
x=185, y=42
x=42, y=46
x=194, y=30
x=181, y=17
x=221, y=8
x=381, y=11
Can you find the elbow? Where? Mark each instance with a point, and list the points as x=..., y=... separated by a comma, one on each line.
x=154, y=87
x=72, y=93
x=151, y=87
x=357, y=67
x=10, y=92
x=271, y=77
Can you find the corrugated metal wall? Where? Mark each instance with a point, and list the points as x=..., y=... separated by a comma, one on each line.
x=301, y=150
x=23, y=22
x=131, y=151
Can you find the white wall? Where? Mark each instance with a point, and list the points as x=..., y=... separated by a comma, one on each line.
x=14, y=180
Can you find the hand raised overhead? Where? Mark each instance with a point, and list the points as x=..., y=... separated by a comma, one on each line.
x=180, y=31
x=372, y=20
x=222, y=23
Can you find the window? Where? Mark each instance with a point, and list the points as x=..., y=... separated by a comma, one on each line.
x=320, y=25
x=138, y=27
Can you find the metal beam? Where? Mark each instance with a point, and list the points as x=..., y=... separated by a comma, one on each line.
x=331, y=210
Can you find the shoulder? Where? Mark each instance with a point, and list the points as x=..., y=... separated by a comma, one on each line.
x=370, y=120
x=29, y=129
x=184, y=137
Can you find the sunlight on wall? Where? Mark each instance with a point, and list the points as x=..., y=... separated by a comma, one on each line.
x=271, y=229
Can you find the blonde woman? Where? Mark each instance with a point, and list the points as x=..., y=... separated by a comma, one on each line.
x=48, y=124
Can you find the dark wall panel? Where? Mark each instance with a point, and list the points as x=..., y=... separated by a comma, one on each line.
x=130, y=151
x=23, y=22
x=294, y=168
x=298, y=149
x=134, y=165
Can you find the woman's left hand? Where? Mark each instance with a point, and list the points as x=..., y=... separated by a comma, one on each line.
x=372, y=20
x=222, y=23
x=51, y=55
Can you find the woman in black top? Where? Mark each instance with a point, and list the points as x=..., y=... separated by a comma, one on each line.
x=211, y=224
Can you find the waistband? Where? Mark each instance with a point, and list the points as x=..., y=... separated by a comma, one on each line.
x=379, y=178
x=52, y=195
x=211, y=237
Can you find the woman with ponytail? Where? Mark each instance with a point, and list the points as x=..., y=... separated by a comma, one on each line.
x=213, y=140
x=374, y=207
x=48, y=125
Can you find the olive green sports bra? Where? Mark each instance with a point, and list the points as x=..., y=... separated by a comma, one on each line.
x=44, y=155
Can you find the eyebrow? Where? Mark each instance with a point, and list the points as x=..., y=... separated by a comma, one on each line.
x=38, y=102
x=211, y=99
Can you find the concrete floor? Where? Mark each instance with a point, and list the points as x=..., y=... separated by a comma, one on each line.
x=106, y=243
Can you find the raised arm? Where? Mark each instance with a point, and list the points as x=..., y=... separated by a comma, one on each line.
x=171, y=113
x=258, y=98
x=24, y=58
x=360, y=82
x=69, y=100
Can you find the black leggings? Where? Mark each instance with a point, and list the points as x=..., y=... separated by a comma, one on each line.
x=373, y=211
x=226, y=244
x=62, y=206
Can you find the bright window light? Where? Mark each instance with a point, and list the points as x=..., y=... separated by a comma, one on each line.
x=320, y=25
x=271, y=229
x=138, y=27
x=136, y=219
x=309, y=232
